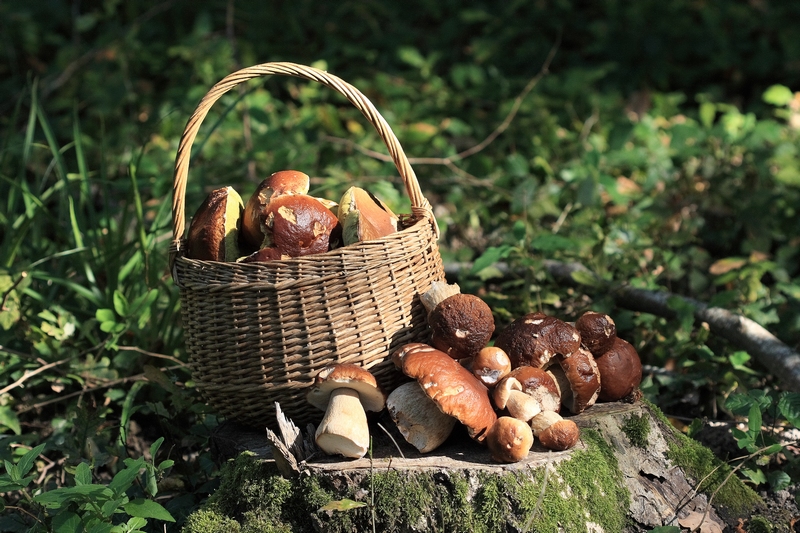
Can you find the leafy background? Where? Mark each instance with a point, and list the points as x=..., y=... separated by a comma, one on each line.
x=659, y=149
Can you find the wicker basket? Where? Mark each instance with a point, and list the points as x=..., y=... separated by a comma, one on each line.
x=257, y=333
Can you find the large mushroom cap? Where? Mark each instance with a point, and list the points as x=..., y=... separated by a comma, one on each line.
x=214, y=230
x=461, y=325
x=364, y=217
x=349, y=376
x=598, y=332
x=533, y=339
x=299, y=225
x=620, y=371
x=454, y=389
x=254, y=228
x=560, y=436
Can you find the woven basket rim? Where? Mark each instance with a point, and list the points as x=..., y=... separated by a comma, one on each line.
x=420, y=207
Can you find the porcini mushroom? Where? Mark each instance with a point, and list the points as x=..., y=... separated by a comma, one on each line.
x=364, y=217
x=254, y=218
x=298, y=225
x=620, y=371
x=418, y=418
x=578, y=379
x=214, y=230
x=598, y=332
x=508, y=395
x=345, y=392
x=535, y=338
x=540, y=385
x=454, y=389
x=554, y=432
x=461, y=325
x=490, y=365
x=509, y=440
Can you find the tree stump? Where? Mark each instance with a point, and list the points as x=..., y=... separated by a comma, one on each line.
x=631, y=471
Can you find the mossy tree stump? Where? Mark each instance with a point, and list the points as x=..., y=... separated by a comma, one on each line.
x=631, y=472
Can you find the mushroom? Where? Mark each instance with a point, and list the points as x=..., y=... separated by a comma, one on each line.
x=438, y=292
x=598, y=332
x=508, y=395
x=535, y=338
x=364, y=217
x=461, y=325
x=298, y=225
x=454, y=389
x=620, y=371
x=345, y=392
x=555, y=432
x=491, y=365
x=540, y=385
x=214, y=230
x=419, y=418
x=578, y=379
x=509, y=440
x=254, y=228
x=264, y=254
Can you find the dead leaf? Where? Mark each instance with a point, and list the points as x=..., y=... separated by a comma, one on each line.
x=694, y=520
x=726, y=265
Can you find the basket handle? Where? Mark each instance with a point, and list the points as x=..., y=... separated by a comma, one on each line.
x=420, y=207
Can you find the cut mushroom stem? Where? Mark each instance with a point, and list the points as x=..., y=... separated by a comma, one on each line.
x=439, y=291
x=418, y=418
x=509, y=395
x=344, y=430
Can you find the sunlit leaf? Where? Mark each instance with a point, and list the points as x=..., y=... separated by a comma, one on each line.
x=342, y=505
x=778, y=95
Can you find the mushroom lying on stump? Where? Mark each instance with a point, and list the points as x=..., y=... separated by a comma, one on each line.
x=536, y=338
x=452, y=387
x=345, y=392
x=620, y=371
x=554, y=432
x=509, y=440
x=490, y=365
x=419, y=418
x=578, y=379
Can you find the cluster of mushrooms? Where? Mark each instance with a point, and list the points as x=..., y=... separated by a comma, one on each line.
x=281, y=220
x=506, y=395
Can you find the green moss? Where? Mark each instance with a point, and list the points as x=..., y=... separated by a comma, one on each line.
x=637, y=429
x=253, y=498
x=714, y=475
x=759, y=524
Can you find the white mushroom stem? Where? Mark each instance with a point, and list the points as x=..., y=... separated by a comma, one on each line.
x=439, y=291
x=522, y=406
x=418, y=418
x=344, y=430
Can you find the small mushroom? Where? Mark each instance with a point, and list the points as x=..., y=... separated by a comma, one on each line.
x=509, y=440
x=535, y=338
x=555, y=432
x=598, y=332
x=419, y=418
x=578, y=379
x=491, y=365
x=539, y=384
x=620, y=371
x=461, y=325
x=254, y=218
x=454, y=389
x=508, y=395
x=345, y=392
x=214, y=230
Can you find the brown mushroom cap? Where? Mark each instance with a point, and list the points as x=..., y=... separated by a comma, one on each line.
x=578, y=379
x=491, y=365
x=263, y=255
x=461, y=325
x=537, y=383
x=299, y=225
x=509, y=440
x=560, y=436
x=508, y=395
x=364, y=217
x=214, y=230
x=454, y=389
x=255, y=211
x=544, y=420
x=349, y=376
x=620, y=371
x=533, y=339
x=598, y=332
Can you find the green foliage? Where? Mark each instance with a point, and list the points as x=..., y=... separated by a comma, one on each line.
x=660, y=151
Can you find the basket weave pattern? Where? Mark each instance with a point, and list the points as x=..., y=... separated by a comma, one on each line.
x=257, y=333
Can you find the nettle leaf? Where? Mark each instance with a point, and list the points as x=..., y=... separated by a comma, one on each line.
x=26, y=461
x=66, y=522
x=147, y=509
x=123, y=479
x=789, y=406
x=342, y=505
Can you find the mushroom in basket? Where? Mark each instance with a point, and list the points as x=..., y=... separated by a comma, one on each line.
x=214, y=230
x=345, y=392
